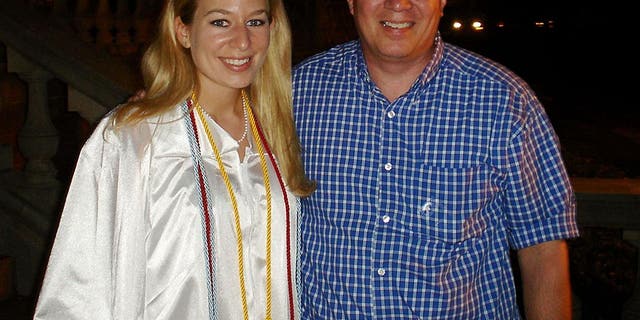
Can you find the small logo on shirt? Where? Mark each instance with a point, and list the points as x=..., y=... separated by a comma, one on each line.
x=427, y=206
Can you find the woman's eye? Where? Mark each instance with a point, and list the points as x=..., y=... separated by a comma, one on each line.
x=220, y=23
x=256, y=22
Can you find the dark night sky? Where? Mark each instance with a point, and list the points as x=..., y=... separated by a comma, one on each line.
x=588, y=51
x=580, y=69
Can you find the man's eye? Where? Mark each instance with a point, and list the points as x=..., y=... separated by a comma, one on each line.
x=256, y=22
x=220, y=23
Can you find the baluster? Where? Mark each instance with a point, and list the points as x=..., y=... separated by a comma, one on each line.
x=104, y=23
x=84, y=21
x=123, y=25
x=12, y=110
x=38, y=138
x=144, y=15
x=61, y=8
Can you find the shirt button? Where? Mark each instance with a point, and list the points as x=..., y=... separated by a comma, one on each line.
x=381, y=271
x=386, y=219
x=391, y=114
x=388, y=166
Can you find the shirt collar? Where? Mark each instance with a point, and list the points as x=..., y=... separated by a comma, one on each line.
x=434, y=64
x=427, y=74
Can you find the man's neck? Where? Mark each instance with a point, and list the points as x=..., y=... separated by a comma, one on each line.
x=395, y=78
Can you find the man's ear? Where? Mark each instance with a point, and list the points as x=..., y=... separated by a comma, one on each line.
x=182, y=33
x=443, y=3
x=350, y=2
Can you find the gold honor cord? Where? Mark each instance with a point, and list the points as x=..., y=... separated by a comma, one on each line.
x=234, y=203
x=267, y=187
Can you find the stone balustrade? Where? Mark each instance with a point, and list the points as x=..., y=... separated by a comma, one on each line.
x=40, y=47
x=121, y=27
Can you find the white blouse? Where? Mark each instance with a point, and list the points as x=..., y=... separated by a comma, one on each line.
x=130, y=244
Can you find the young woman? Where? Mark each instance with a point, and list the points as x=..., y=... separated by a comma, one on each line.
x=184, y=203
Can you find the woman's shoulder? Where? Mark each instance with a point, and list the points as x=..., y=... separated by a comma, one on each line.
x=112, y=131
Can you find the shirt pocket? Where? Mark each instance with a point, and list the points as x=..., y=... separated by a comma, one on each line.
x=452, y=202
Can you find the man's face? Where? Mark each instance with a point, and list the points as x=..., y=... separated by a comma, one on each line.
x=397, y=30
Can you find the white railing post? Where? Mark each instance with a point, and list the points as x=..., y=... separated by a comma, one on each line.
x=38, y=139
x=37, y=185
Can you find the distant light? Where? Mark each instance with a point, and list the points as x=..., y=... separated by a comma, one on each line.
x=539, y=24
x=550, y=24
x=500, y=24
x=457, y=25
x=477, y=25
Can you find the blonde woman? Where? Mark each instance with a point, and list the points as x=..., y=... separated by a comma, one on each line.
x=184, y=203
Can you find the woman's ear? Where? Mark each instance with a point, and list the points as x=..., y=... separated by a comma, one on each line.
x=182, y=33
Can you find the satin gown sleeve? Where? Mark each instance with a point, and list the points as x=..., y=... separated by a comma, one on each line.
x=92, y=271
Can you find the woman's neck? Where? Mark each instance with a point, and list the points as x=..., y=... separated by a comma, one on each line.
x=221, y=103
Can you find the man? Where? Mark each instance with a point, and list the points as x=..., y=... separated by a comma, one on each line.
x=431, y=164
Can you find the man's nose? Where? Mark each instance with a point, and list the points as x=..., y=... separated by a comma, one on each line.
x=397, y=5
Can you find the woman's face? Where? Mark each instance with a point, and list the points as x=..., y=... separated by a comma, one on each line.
x=228, y=41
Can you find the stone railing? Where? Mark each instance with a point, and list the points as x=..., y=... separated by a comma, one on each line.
x=121, y=27
x=41, y=47
x=605, y=259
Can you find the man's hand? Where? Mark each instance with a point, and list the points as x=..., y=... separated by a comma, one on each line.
x=139, y=95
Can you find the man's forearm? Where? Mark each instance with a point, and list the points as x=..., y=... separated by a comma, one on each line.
x=545, y=281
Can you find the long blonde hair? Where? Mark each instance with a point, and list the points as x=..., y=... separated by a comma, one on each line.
x=168, y=72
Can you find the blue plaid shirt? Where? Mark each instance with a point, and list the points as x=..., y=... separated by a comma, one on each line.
x=420, y=200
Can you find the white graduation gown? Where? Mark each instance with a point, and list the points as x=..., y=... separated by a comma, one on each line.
x=130, y=240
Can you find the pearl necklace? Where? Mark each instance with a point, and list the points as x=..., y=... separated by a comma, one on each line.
x=236, y=214
x=244, y=115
